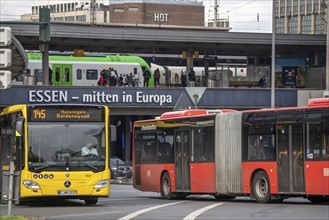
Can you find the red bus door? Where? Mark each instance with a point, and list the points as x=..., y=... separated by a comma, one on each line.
x=182, y=161
x=290, y=158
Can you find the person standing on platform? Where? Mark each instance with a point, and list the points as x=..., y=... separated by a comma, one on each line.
x=191, y=78
x=157, y=77
x=146, y=75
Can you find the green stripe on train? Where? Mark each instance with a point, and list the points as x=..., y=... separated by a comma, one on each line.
x=101, y=59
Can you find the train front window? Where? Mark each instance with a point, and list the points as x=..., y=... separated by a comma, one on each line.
x=66, y=146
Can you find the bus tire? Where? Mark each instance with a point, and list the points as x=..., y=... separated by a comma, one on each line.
x=318, y=199
x=261, y=187
x=92, y=201
x=224, y=197
x=166, y=186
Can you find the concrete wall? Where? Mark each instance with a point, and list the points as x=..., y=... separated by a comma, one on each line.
x=316, y=77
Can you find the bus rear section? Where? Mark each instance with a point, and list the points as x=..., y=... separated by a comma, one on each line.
x=175, y=155
x=269, y=155
x=58, y=151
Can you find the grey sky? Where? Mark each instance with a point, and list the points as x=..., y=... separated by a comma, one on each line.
x=244, y=15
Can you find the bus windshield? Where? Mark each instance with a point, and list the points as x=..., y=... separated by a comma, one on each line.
x=66, y=146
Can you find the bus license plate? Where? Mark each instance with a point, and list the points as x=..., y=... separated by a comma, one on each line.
x=67, y=193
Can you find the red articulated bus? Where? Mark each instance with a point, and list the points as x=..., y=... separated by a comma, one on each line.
x=268, y=154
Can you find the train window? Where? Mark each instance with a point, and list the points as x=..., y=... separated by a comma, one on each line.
x=58, y=74
x=79, y=74
x=92, y=74
x=38, y=74
x=67, y=74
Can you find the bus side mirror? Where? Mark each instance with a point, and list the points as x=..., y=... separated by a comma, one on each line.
x=19, y=126
x=113, y=133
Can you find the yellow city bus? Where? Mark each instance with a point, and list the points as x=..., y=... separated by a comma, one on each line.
x=48, y=146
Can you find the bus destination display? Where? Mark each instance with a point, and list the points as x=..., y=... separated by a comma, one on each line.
x=66, y=114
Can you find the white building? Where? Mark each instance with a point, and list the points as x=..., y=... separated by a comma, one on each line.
x=71, y=11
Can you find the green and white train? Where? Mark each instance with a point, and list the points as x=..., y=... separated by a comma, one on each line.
x=69, y=70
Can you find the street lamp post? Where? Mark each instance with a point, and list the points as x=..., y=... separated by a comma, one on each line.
x=273, y=58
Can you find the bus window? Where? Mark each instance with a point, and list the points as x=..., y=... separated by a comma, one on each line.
x=165, y=146
x=79, y=74
x=314, y=142
x=204, y=144
x=92, y=74
x=149, y=148
x=325, y=150
x=261, y=144
x=137, y=146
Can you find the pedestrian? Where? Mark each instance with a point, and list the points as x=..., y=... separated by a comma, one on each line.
x=191, y=78
x=157, y=77
x=146, y=75
x=183, y=79
x=101, y=81
x=262, y=82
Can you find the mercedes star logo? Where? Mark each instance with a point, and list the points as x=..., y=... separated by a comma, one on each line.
x=67, y=184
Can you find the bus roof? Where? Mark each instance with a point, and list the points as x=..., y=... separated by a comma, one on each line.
x=192, y=112
x=318, y=102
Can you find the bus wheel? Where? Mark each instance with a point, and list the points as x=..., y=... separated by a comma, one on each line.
x=166, y=186
x=224, y=197
x=261, y=187
x=92, y=201
x=318, y=199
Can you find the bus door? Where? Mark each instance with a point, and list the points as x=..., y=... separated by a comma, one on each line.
x=61, y=75
x=290, y=158
x=182, y=161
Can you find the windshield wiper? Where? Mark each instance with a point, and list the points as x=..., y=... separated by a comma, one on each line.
x=88, y=165
x=44, y=167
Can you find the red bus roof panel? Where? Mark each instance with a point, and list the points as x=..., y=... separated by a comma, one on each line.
x=318, y=102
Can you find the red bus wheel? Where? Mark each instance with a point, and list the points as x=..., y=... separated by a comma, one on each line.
x=166, y=186
x=261, y=187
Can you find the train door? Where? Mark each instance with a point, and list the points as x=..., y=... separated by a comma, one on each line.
x=182, y=161
x=290, y=158
x=61, y=74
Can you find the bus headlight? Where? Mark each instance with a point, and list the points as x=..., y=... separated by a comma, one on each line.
x=31, y=184
x=101, y=184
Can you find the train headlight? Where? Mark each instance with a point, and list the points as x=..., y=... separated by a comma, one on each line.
x=101, y=184
x=31, y=184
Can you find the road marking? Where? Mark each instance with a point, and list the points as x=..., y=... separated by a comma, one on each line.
x=198, y=212
x=76, y=215
x=134, y=214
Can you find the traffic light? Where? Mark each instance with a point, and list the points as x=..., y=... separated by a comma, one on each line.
x=44, y=29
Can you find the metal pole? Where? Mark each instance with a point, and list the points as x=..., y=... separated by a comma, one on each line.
x=273, y=58
x=215, y=14
x=44, y=48
x=11, y=182
x=327, y=55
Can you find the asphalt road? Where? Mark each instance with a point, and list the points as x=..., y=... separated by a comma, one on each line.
x=127, y=203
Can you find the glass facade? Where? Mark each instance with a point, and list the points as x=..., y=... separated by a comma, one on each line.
x=300, y=16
